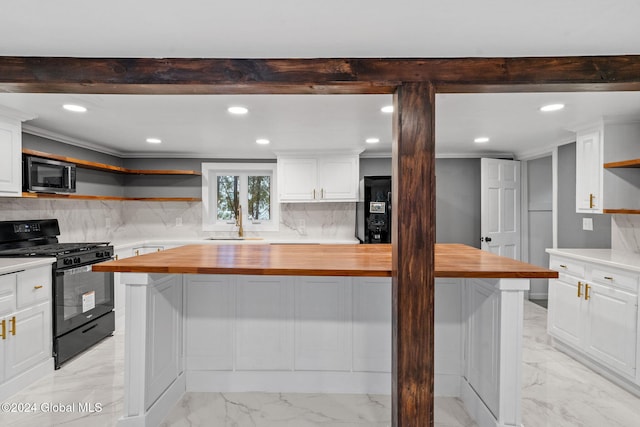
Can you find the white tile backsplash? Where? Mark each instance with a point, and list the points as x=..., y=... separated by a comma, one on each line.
x=93, y=220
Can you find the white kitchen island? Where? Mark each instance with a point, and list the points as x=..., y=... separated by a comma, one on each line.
x=287, y=331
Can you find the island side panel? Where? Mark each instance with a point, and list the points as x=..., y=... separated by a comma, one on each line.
x=413, y=267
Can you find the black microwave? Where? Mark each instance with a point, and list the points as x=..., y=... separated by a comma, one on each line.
x=48, y=176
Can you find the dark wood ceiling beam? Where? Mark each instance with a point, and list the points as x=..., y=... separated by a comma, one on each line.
x=363, y=75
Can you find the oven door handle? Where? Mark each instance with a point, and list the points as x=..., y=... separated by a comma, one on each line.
x=77, y=270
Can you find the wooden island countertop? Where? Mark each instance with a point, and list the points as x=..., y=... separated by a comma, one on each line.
x=451, y=260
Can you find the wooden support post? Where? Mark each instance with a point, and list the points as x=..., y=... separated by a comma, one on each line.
x=413, y=241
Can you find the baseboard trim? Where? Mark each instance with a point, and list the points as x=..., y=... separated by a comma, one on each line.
x=159, y=410
x=477, y=410
x=289, y=382
x=25, y=379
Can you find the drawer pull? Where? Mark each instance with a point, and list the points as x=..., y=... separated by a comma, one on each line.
x=608, y=278
x=116, y=257
x=137, y=252
x=563, y=266
x=586, y=291
x=579, y=289
x=4, y=329
x=38, y=287
x=12, y=325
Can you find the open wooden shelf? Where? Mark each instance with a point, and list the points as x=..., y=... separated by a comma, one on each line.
x=89, y=197
x=622, y=211
x=108, y=168
x=635, y=163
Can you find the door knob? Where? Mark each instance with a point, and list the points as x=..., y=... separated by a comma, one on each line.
x=485, y=239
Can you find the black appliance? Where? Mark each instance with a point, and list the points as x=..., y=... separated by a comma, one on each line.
x=373, y=211
x=48, y=176
x=82, y=299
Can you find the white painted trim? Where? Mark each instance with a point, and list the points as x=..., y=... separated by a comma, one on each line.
x=25, y=379
x=161, y=407
x=607, y=373
x=476, y=155
x=538, y=295
x=476, y=408
x=43, y=133
x=13, y=114
x=524, y=211
x=544, y=151
x=554, y=197
x=316, y=153
x=289, y=382
x=211, y=167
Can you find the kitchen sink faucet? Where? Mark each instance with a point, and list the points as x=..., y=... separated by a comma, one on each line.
x=239, y=221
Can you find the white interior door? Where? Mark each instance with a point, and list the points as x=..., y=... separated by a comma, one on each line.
x=500, y=207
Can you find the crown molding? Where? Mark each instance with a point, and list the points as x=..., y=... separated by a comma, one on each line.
x=13, y=114
x=543, y=151
x=34, y=130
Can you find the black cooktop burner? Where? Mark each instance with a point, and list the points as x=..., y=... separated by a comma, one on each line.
x=55, y=249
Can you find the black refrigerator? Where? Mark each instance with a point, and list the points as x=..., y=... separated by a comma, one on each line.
x=373, y=211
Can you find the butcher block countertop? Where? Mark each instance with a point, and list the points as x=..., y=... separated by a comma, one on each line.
x=451, y=260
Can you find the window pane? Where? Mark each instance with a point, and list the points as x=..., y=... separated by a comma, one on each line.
x=228, y=187
x=259, y=193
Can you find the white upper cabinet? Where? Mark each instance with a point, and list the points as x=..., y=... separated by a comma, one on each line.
x=318, y=178
x=589, y=169
x=297, y=179
x=11, y=149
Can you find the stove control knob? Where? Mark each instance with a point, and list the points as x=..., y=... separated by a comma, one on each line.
x=99, y=254
x=67, y=261
x=76, y=260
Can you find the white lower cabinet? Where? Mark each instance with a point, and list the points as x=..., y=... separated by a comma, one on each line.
x=31, y=343
x=596, y=314
x=25, y=328
x=611, y=330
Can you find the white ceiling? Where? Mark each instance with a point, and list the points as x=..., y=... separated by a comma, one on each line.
x=199, y=125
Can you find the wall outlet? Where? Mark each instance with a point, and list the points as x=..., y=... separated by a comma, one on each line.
x=107, y=222
x=179, y=221
x=302, y=227
x=587, y=224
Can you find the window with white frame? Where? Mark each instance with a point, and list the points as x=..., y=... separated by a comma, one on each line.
x=248, y=189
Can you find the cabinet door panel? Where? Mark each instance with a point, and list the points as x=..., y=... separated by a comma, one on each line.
x=297, y=179
x=564, y=310
x=338, y=178
x=323, y=323
x=264, y=323
x=611, y=328
x=210, y=322
x=164, y=337
x=372, y=324
x=32, y=340
x=589, y=172
x=11, y=159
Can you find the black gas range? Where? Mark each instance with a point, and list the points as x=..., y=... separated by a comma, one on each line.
x=83, y=300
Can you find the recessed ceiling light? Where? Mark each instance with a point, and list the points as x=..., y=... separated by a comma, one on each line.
x=154, y=140
x=238, y=110
x=74, y=108
x=552, y=107
x=387, y=109
x=481, y=139
x=262, y=141
x=372, y=140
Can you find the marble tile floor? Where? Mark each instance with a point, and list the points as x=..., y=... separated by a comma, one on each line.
x=557, y=392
